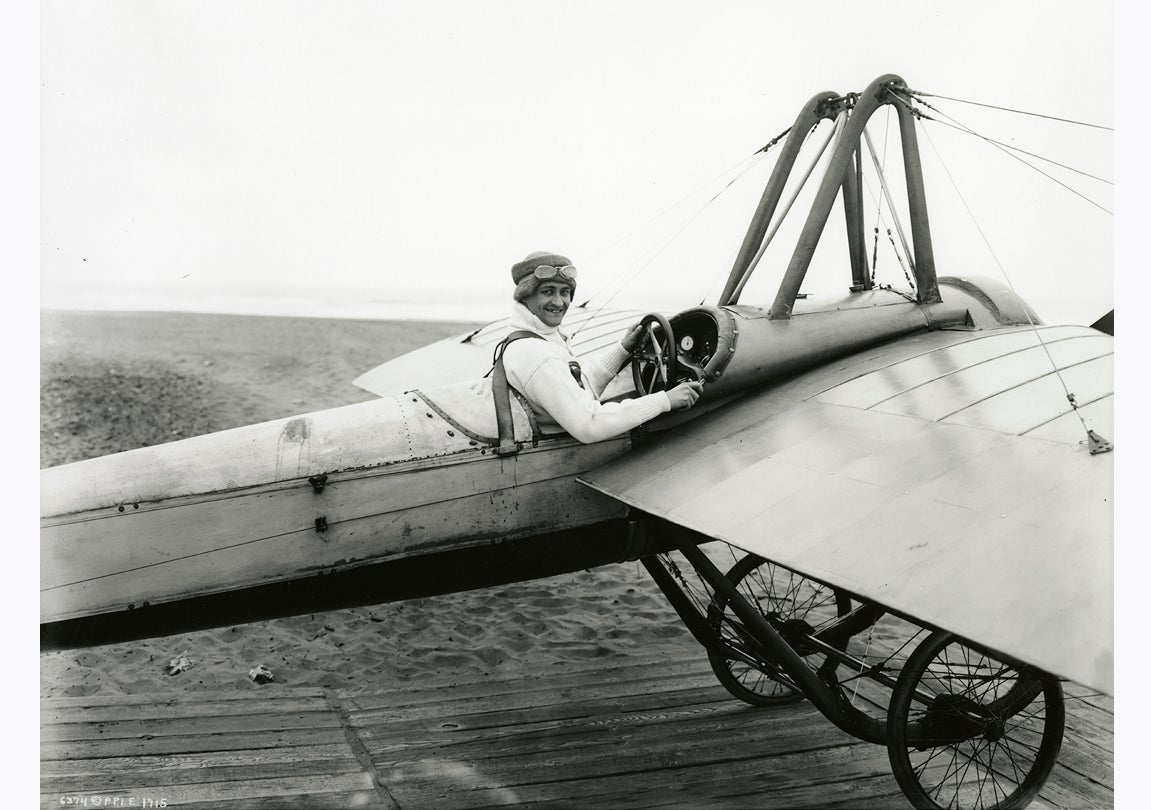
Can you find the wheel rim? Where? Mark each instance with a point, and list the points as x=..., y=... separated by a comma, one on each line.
x=791, y=602
x=967, y=730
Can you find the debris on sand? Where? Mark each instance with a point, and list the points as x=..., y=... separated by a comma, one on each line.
x=181, y=663
x=261, y=674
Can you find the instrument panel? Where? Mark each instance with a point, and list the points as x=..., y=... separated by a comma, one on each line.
x=704, y=342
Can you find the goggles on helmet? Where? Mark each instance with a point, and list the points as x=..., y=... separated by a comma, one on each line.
x=547, y=271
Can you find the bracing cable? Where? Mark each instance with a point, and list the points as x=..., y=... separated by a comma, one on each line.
x=748, y=163
x=887, y=194
x=1095, y=442
x=920, y=93
x=643, y=263
x=921, y=115
x=890, y=237
x=967, y=131
x=739, y=166
x=879, y=204
x=782, y=213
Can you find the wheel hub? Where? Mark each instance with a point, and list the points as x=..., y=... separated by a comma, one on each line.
x=796, y=632
x=994, y=730
x=951, y=718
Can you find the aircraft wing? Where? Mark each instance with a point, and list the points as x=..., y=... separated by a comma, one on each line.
x=944, y=476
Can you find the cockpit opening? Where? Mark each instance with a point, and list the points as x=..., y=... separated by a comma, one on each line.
x=694, y=345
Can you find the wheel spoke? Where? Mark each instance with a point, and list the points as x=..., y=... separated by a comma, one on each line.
x=1011, y=761
x=657, y=350
x=793, y=604
x=981, y=778
x=988, y=735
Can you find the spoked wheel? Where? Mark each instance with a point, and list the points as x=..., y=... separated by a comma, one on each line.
x=966, y=730
x=795, y=605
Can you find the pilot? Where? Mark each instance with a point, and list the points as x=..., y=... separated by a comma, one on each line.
x=564, y=393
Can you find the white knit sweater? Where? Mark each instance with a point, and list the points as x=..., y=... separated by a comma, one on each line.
x=539, y=370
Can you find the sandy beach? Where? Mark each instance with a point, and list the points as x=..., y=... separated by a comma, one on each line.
x=113, y=381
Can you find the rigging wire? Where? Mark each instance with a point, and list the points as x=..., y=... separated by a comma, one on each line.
x=887, y=194
x=781, y=214
x=1009, y=109
x=1094, y=440
x=921, y=115
x=754, y=156
x=755, y=159
x=890, y=238
x=879, y=204
x=656, y=251
x=961, y=128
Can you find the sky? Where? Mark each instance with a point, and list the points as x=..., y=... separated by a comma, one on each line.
x=375, y=158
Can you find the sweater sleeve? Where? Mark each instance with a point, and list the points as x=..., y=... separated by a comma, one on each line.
x=546, y=381
x=601, y=369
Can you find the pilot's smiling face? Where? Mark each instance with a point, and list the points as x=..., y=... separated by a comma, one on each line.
x=550, y=302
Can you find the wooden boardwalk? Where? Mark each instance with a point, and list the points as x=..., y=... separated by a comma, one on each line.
x=645, y=734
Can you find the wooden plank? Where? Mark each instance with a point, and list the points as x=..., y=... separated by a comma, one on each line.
x=1087, y=761
x=591, y=691
x=93, y=749
x=660, y=715
x=727, y=793
x=878, y=791
x=875, y=793
x=580, y=744
x=690, y=777
x=1082, y=695
x=618, y=754
x=583, y=674
x=549, y=733
x=648, y=734
x=310, y=801
x=185, y=726
x=146, y=777
x=238, y=749
x=192, y=761
x=493, y=742
x=1091, y=723
x=1090, y=737
x=500, y=716
x=578, y=760
x=683, y=652
x=315, y=786
x=254, y=703
x=1067, y=789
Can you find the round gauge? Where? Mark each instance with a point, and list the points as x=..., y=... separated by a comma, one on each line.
x=686, y=343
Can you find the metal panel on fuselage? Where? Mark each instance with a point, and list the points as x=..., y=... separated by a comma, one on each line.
x=198, y=545
x=236, y=509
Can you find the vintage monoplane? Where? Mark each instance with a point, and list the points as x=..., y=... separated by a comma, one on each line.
x=936, y=454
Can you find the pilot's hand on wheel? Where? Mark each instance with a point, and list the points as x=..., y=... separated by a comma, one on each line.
x=684, y=395
x=632, y=338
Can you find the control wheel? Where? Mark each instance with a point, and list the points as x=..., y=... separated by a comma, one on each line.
x=653, y=361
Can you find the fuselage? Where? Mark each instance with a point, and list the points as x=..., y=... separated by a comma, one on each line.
x=409, y=475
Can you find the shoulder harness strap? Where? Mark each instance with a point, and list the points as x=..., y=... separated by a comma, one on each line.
x=501, y=393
